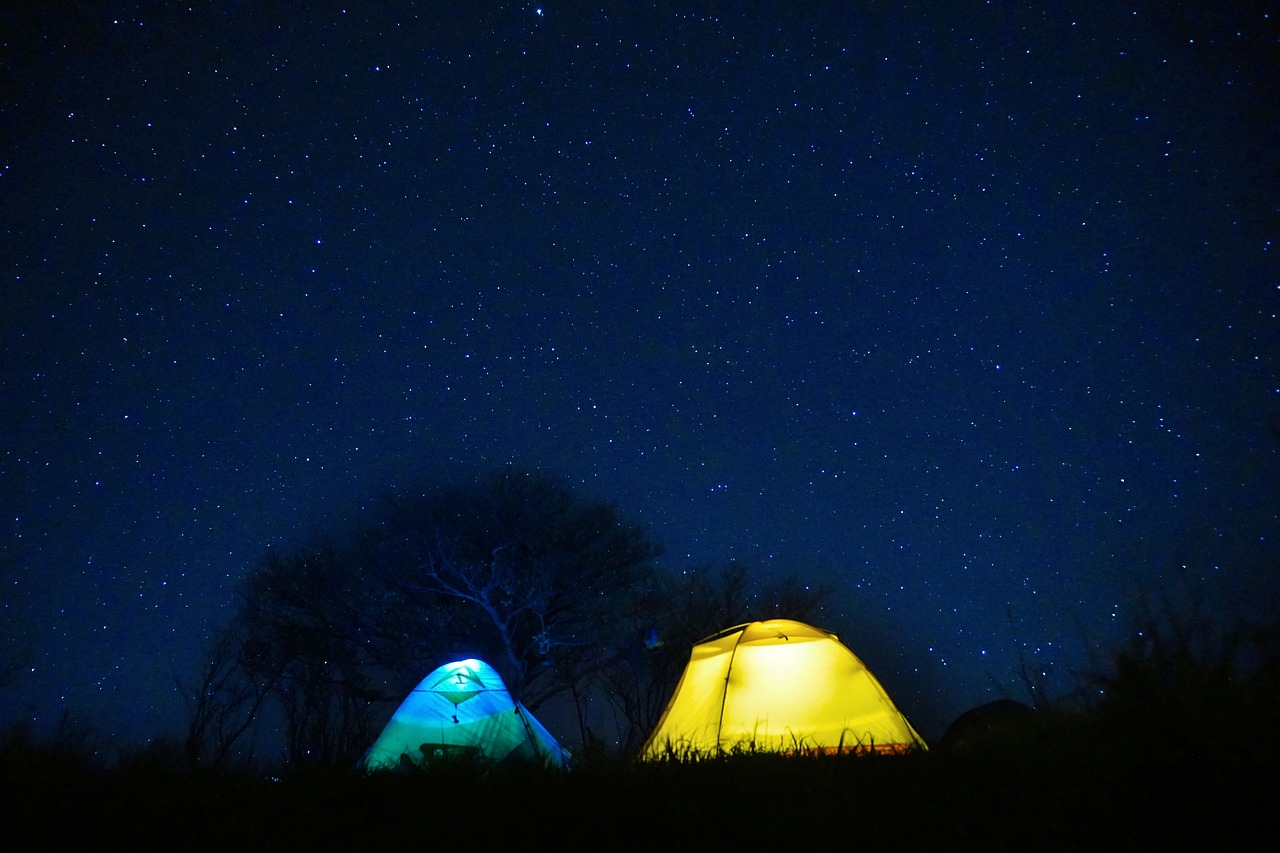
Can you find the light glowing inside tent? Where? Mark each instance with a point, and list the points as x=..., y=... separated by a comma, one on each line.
x=462, y=708
x=460, y=683
x=778, y=685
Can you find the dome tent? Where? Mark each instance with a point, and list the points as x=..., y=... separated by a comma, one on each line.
x=462, y=708
x=777, y=686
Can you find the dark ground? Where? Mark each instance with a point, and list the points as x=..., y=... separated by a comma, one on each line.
x=1041, y=783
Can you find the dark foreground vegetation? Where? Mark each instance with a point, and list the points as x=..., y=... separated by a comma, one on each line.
x=1127, y=778
x=1178, y=748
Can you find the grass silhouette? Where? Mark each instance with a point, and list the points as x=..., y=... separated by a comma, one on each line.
x=1178, y=746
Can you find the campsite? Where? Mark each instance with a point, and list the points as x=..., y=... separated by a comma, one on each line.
x=1179, y=751
x=713, y=427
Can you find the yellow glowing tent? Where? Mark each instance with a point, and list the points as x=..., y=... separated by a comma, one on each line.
x=777, y=686
x=463, y=708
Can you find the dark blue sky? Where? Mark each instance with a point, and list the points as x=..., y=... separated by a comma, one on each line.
x=967, y=309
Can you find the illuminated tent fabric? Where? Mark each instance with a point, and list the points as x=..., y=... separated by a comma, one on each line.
x=777, y=686
x=463, y=708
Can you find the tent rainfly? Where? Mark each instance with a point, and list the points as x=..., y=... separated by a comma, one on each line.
x=462, y=708
x=777, y=686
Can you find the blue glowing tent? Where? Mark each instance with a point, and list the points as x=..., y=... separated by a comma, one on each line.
x=463, y=709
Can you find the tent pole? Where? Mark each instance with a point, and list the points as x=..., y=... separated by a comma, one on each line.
x=724, y=691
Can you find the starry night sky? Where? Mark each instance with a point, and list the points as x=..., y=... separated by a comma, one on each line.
x=967, y=309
